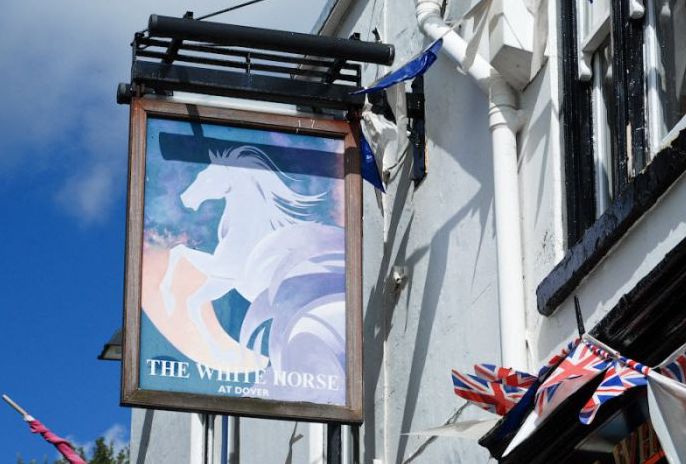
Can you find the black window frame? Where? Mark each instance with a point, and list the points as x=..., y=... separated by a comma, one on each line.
x=577, y=114
x=637, y=186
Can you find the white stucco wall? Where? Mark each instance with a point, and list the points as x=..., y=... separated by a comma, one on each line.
x=160, y=437
x=442, y=233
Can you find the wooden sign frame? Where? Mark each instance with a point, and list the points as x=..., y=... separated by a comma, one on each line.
x=144, y=110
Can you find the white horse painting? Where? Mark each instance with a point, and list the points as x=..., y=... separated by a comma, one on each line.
x=266, y=235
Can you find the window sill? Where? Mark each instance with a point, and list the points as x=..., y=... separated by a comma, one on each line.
x=639, y=196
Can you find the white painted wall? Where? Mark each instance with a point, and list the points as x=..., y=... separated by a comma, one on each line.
x=160, y=437
x=442, y=232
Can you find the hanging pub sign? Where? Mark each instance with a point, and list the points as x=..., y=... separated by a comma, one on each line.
x=243, y=266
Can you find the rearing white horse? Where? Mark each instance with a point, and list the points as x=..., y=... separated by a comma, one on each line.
x=258, y=202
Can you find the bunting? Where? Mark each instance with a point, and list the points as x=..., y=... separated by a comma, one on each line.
x=417, y=66
x=580, y=366
x=370, y=170
x=507, y=376
x=495, y=397
x=675, y=369
x=618, y=379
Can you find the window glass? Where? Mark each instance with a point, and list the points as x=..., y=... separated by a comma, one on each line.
x=603, y=102
x=670, y=18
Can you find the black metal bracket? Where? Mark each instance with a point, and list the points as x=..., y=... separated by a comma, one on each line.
x=416, y=123
x=183, y=54
x=415, y=107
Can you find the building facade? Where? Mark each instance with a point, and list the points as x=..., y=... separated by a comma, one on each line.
x=554, y=160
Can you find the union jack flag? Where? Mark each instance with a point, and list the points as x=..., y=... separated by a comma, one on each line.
x=592, y=344
x=558, y=358
x=676, y=369
x=618, y=379
x=579, y=367
x=493, y=396
x=504, y=375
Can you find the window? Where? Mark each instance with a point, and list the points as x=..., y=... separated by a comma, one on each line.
x=624, y=94
x=595, y=66
x=624, y=66
x=665, y=52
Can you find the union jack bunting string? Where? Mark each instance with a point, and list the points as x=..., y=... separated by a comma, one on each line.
x=504, y=375
x=494, y=397
x=499, y=389
x=558, y=358
x=630, y=363
x=676, y=369
x=579, y=367
x=618, y=379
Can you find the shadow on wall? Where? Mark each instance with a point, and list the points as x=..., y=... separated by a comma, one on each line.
x=446, y=123
x=535, y=137
x=145, y=436
x=292, y=441
x=382, y=300
x=439, y=252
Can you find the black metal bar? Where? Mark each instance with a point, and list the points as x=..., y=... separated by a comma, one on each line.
x=243, y=65
x=175, y=44
x=355, y=437
x=417, y=131
x=235, y=452
x=124, y=93
x=334, y=72
x=267, y=39
x=218, y=50
x=232, y=84
x=172, y=51
x=333, y=443
x=579, y=317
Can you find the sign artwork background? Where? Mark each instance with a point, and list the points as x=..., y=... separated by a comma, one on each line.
x=243, y=268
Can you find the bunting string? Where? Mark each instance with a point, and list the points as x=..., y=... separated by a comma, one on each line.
x=638, y=367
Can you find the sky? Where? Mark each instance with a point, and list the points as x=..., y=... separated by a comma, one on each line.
x=63, y=168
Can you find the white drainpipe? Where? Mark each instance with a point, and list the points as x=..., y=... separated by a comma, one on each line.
x=504, y=122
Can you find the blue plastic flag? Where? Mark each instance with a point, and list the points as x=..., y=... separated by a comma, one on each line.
x=413, y=68
x=370, y=172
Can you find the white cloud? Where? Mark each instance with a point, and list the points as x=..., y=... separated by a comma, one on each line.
x=61, y=62
x=89, y=194
x=117, y=435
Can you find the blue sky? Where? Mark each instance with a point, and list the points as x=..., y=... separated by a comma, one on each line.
x=63, y=150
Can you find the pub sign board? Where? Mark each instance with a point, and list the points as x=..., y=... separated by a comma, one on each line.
x=243, y=263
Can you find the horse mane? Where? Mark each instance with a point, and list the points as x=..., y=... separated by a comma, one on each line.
x=286, y=205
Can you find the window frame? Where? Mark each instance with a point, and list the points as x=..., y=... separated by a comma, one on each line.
x=655, y=105
x=637, y=185
x=580, y=117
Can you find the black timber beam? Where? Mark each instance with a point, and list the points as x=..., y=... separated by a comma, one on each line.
x=160, y=76
x=639, y=195
x=269, y=39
